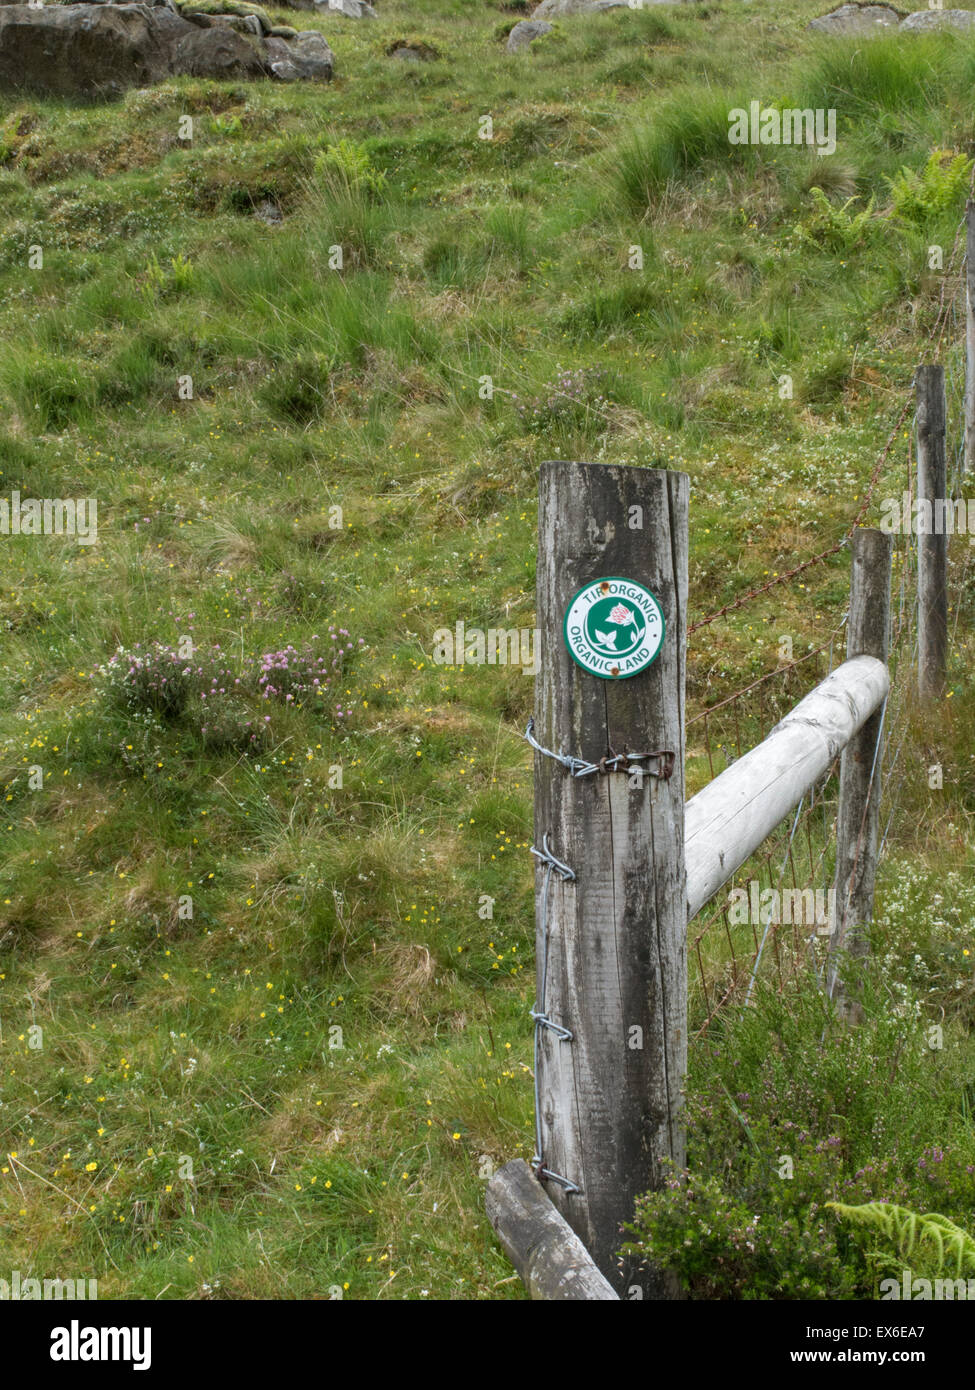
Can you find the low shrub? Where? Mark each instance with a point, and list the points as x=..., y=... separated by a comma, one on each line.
x=791, y=1121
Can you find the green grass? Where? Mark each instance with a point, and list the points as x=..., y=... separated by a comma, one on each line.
x=175, y=1045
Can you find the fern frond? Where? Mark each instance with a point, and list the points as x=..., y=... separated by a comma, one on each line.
x=911, y=1233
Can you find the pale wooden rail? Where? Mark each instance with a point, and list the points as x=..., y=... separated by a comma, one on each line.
x=553, y=1262
x=726, y=821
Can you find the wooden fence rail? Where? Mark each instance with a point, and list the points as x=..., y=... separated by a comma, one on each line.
x=726, y=822
x=552, y=1261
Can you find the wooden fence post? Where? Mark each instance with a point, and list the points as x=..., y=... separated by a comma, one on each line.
x=858, y=816
x=932, y=540
x=610, y=1098
x=968, y=461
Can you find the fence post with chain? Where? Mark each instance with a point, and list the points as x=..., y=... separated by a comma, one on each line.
x=611, y=1006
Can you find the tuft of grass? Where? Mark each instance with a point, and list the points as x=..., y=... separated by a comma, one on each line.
x=886, y=75
x=687, y=133
x=299, y=390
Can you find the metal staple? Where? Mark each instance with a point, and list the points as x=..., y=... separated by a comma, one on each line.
x=541, y=1018
x=578, y=767
x=613, y=762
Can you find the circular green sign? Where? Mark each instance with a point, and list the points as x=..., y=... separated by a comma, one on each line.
x=614, y=628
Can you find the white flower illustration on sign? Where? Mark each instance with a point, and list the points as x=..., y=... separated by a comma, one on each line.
x=620, y=616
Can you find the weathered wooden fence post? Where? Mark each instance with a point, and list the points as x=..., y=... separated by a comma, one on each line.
x=858, y=816
x=932, y=540
x=610, y=941
x=968, y=460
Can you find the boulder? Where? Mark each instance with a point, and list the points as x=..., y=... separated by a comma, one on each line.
x=149, y=4
x=854, y=18
x=307, y=56
x=857, y=19
x=939, y=19
x=525, y=33
x=313, y=50
x=352, y=9
x=555, y=9
x=87, y=49
x=220, y=52
x=224, y=12
x=279, y=56
x=244, y=24
x=100, y=49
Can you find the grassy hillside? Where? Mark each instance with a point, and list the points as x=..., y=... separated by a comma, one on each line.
x=301, y=1084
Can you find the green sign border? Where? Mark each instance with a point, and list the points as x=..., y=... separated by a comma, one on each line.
x=608, y=579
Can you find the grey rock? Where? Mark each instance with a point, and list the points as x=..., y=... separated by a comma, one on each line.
x=284, y=70
x=308, y=56
x=101, y=49
x=312, y=41
x=151, y=4
x=939, y=19
x=352, y=9
x=525, y=33
x=283, y=31
x=249, y=24
x=857, y=19
x=555, y=9
x=70, y=50
x=406, y=55
x=221, y=52
x=256, y=23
